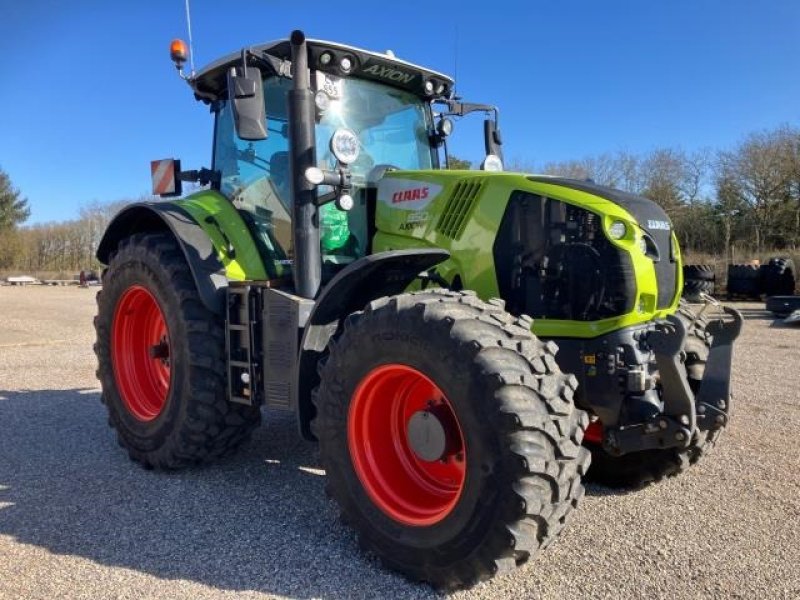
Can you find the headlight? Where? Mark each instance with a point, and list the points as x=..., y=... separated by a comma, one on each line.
x=492, y=163
x=345, y=146
x=617, y=230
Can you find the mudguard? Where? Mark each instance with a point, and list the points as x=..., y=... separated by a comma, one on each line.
x=382, y=274
x=201, y=255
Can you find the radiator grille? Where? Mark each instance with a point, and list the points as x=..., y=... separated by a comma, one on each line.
x=458, y=208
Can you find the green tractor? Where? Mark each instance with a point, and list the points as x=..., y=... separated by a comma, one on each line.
x=408, y=315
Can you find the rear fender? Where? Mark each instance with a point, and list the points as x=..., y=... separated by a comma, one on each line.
x=201, y=255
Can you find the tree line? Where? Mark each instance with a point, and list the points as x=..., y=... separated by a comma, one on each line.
x=62, y=248
x=745, y=198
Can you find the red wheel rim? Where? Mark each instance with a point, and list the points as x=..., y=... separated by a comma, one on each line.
x=140, y=353
x=594, y=433
x=405, y=487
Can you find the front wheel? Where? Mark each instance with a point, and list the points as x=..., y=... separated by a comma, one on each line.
x=449, y=436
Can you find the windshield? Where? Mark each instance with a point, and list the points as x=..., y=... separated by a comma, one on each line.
x=393, y=130
x=393, y=127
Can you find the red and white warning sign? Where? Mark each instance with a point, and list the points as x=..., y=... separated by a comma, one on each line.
x=164, y=175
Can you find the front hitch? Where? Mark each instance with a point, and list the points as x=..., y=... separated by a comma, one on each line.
x=674, y=426
x=684, y=414
x=714, y=396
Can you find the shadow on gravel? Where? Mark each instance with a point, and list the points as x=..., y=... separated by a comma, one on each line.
x=759, y=314
x=259, y=521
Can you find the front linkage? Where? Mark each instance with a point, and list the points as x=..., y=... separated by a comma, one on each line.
x=686, y=415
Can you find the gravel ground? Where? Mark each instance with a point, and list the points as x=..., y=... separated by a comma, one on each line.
x=78, y=520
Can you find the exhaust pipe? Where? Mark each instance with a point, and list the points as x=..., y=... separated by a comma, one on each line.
x=307, y=265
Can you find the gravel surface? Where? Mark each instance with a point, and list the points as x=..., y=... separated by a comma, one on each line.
x=79, y=520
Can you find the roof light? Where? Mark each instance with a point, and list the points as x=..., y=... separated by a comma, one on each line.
x=440, y=89
x=178, y=52
x=346, y=64
x=429, y=87
x=325, y=58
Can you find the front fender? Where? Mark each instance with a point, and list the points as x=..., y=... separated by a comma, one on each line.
x=368, y=278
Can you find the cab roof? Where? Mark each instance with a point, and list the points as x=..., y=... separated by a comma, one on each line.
x=211, y=81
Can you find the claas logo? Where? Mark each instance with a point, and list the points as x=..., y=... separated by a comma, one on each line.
x=410, y=195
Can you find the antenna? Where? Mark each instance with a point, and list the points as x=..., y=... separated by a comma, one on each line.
x=455, y=59
x=191, y=47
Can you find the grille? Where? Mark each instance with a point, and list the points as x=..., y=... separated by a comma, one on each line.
x=458, y=208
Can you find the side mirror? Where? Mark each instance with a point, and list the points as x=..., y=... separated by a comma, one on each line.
x=246, y=94
x=492, y=139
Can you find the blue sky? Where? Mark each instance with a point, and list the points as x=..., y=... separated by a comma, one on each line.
x=89, y=95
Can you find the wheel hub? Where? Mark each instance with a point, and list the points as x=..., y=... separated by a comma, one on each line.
x=426, y=435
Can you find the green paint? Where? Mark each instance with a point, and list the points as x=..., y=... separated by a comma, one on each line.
x=247, y=263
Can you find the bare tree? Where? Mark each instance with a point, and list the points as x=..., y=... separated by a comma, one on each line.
x=763, y=169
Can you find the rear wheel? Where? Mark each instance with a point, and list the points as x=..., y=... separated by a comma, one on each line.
x=161, y=360
x=641, y=468
x=449, y=436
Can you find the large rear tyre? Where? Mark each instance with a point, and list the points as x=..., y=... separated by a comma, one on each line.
x=641, y=468
x=449, y=436
x=161, y=358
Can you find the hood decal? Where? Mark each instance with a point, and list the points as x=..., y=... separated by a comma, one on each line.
x=407, y=194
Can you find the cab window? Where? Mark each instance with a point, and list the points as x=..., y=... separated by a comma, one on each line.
x=255, y=176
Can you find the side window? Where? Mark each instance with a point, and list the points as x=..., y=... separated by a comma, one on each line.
x=255, y=175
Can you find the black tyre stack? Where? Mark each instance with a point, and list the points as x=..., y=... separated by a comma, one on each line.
x=744, y=281
x=697, y=280
x=778, y=277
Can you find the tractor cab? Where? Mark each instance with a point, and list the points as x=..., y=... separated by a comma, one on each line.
x=371, y=113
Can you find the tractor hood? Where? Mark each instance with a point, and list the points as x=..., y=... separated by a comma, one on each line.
x=650, y=217
x=505, y=230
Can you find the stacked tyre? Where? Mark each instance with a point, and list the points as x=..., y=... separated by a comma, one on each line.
x=778, y=277
x=697, y=280
x=744, y=280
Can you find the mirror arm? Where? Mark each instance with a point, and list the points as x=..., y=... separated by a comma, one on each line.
x=202, y=176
